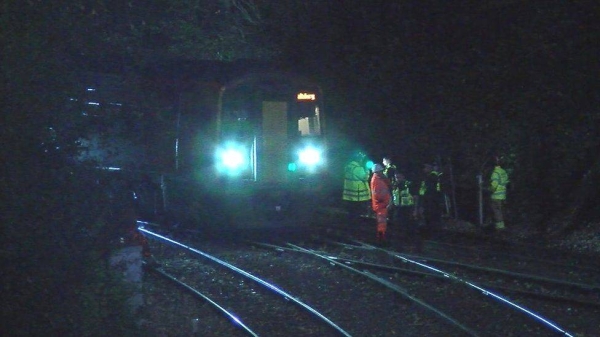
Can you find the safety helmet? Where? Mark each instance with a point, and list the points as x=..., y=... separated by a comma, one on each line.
x=377, y=168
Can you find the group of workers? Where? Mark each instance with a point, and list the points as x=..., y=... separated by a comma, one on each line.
x=414, y=208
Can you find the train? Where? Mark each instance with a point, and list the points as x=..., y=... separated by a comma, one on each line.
x=244, y=148
x=271, y=154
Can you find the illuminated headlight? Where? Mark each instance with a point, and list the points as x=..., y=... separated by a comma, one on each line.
x=232, y=159
x=310, y=156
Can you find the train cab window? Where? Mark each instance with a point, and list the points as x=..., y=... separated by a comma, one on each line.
x=238, y=123
x=309, y=121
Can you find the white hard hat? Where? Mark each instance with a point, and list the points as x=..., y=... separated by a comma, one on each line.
x=377, y=167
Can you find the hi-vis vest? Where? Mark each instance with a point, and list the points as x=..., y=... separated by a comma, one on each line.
x=498, y=182
x=402, y=196
x=438, y=184
x=356, y=186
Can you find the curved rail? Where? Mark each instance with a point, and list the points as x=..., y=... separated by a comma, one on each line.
x=265, y=284
x=486, y=292
x=236, y=321
x=395, y=269
x=390, y=286
x=587, y=287
x=581, y=286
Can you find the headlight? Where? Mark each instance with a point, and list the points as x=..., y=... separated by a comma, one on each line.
x=310, y=157
x=232, y=159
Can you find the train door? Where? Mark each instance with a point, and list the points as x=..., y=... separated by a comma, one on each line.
x=275, y=138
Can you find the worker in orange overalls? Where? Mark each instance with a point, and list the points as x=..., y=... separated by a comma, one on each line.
x=380, y=200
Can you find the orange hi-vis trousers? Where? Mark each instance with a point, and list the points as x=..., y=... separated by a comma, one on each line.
x=381, y=218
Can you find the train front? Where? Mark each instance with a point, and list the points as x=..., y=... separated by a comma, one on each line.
x=271, y=160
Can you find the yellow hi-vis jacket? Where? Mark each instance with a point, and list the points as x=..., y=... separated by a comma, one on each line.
x=498, y=182
x=356, y=186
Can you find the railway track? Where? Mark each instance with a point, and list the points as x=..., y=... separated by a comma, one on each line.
x=530, y=321
x=229, y=285
x=343, y=297
x=554, y=281
x=401, y=294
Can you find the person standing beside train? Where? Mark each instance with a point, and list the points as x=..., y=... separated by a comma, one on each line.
x=356, y=193
x=389, y=170
x=430, y=200
x=498, y=182
x=380, y=200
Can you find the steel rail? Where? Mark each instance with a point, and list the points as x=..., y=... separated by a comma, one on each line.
x=391, y=286
x=147, y=223
x=486, y=292
x=388, y=268
x=583, y=286
x=246, y=274
x=542, y=296
x=234, y=319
